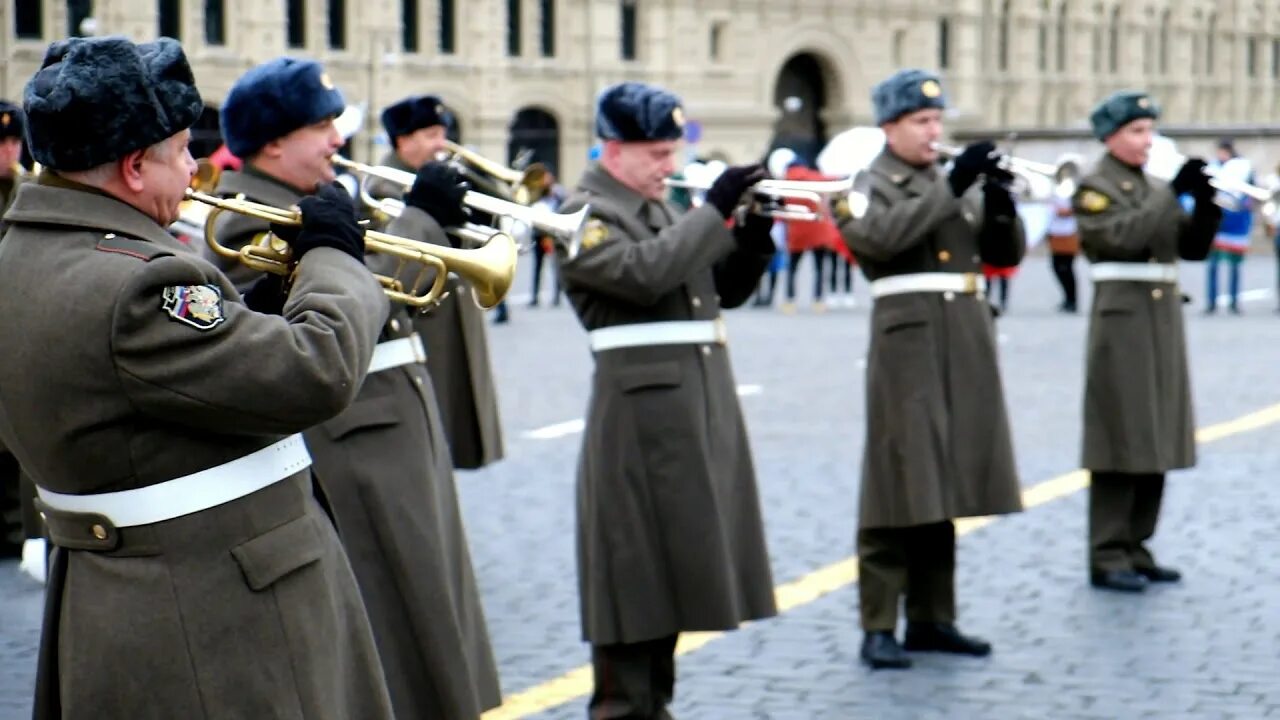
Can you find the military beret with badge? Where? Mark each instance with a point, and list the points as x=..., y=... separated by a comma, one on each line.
x=12, y=121
x=275, y=98
x=637, y=112
x=95, y=100
x=907, y=91
x=413, y=114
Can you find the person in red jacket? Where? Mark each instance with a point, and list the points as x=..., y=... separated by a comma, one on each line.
x=819, y=237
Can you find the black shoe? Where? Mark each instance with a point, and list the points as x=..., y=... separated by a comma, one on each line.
x=1118, y=580
x=1160, y=574
x=943, y=637
x=881, y=651
x=1067, y=307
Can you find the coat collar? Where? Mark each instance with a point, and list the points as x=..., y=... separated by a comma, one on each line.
x=598, y=181
x=258, y=186
x=48, y=204
x=901, y=173
x=392, y=159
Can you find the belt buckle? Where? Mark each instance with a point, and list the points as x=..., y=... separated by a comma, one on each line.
x=722, y=331
x=971, y=283
x=419, y=350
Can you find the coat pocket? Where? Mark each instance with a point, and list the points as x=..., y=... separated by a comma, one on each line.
x=664, y=374
x=368, y=413
x=278, y=552
x=896, y=319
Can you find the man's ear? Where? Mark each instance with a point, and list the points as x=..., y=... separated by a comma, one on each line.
x=130, y=169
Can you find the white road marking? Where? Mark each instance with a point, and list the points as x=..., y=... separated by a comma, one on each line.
x=577, y=425
x=1246, y=296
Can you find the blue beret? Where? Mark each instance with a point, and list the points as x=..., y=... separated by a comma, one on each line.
x=413, y=114
x=95, y=100
x=906, y=91
x=1120, y=109
x=635, y=112
x=274, y=99
x=13, y=121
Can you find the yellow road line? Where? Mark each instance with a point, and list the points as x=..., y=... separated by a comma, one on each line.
x=577, y=683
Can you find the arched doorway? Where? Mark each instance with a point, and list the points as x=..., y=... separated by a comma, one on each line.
x=800, y=95
x=206, y=133
x=534, y=136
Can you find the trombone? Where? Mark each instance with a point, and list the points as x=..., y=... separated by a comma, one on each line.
x=567, y=228
x=780, y=199
x=489, y=269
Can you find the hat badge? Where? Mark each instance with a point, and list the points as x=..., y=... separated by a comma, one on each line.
x=677, y=117
x=930, y=89
x=4, y=120
x=1144, y=103
x=325, y=81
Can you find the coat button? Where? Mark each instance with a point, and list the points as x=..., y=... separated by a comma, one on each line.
x=1157, y=294
x=417, y=381
x=99, y=532
x=706, y=349
x=697, y=302
x=395, y=325
x=944, y=256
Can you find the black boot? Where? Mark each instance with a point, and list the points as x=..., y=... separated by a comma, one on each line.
x=880, y=650
x=1118, y=580
x=1155, y=573
x=943, y=637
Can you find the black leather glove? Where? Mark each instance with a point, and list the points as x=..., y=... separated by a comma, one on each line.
x=328, y=220
x=752, y=233
x=727, y=190
x=974, y=160
x=267, y=295
x=438, y=191
x=1191, y=179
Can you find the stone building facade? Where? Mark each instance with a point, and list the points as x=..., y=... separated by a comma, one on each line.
x=524, y=73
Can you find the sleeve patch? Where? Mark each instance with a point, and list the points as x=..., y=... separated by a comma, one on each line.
x=199, y=306
x=594, y=233
x=1093, y=201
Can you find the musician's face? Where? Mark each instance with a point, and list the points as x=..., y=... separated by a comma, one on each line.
x=1131, y=144
x=642, y=166
x=421, y=146
x=911, y=136
x=301, y=158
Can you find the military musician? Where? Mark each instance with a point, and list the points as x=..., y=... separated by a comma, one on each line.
x=1138, y=418
x=195, y=573
x=670, y=537
x=382, y=464
x=937, y=434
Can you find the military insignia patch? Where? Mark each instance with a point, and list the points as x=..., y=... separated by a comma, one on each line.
x=593, y=234
x=1093, y=201
x=199, y=306
x=930, y=89
x=325, y=81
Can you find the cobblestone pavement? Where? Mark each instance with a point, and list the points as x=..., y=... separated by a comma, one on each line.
x=1208, y=648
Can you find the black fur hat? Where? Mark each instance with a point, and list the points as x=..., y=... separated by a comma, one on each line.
x=95, y=100
x=274, y=99
x=636, y=112
x=413, y=114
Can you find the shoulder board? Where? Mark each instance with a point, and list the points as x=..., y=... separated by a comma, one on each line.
x=141, y=249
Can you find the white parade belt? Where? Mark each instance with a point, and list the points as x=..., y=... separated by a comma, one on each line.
x=971, y=283
x=677, y=332
x=1134, y=272
x=394, y=353
x=190, y=493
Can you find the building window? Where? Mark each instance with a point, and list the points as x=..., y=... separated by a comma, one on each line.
x=445, y=42
x=899, y=46
x=944, y=43
x=337, y=24
x=214, y=27
x=28, y=23
x=1042, y=49
x=1275, y=58
x=296, y=20
x=628, y=46
x=513, y=28
x=1097, y=48
x=170, y=19
x=1251, y=57
x=547, y=32
x=1209, y=43
x=1061, y=44
x=1164, y=43
x=715, y=41
x=409, y=25
x=1002, y=38
x=1113, y=49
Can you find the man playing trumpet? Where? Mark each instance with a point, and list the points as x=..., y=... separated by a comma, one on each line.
x=938, y=444
x=383, y=464
x=1138, y=420
x=670, y=537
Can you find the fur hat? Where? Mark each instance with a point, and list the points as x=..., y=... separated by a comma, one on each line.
x=636, y=112
x=413, y=114
x=95, y=100
x=274, y=99
x=906, y=91
x=1120, y=109
x=12, y=121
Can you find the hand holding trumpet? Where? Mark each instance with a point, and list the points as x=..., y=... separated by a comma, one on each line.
x=328, y=219
x=438, y=190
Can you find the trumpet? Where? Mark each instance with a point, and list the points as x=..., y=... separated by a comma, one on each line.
x=780, y=199
x=1164, y=161
x=567, y=228
x=489, y=269
x=1008, y=163
x=495, y=178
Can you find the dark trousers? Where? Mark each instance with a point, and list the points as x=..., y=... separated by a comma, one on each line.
x=1123, y=510
x=793, y=265
x=1064, y=270
x=633, y=681
x=918, y=562
x=839, y=266
x=539, y=259
x=768, y=283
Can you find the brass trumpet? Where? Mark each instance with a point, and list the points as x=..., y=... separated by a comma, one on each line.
x=495, y=178
x=567, y=228
x=778, y=198
x=489, y=269
x=1008, y=163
